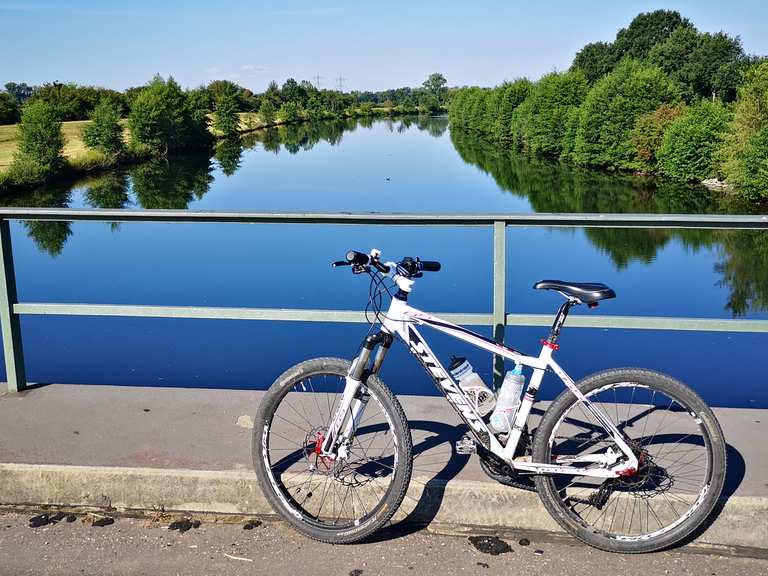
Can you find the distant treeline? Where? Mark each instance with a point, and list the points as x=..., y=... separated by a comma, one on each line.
x=76, y=102
x=663, y=98
x=161, y=118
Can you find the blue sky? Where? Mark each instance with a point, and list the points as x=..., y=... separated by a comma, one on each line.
x=372, y=45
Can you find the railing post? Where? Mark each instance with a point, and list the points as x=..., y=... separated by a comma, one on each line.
x=499, y=295
x=9, y=320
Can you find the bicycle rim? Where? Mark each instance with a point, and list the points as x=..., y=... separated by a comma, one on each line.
x=328, y=494
x=675, y=457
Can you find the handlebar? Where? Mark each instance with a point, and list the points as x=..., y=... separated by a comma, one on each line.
x=408, y=267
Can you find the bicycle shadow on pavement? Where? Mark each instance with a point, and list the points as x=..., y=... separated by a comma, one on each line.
x=441, y=463
x=735, y=469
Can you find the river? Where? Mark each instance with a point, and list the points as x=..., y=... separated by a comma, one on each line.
x=400, y=165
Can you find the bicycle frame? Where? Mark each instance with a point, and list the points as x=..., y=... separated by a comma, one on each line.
x=402, y=320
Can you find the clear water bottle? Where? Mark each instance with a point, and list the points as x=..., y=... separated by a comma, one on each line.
x=473, y=386
x=508, y=402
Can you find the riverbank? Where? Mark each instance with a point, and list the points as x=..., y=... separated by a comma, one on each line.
x=81, y=160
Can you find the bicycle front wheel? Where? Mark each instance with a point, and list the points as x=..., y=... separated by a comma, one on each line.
x=680, y=450
x=339, y=500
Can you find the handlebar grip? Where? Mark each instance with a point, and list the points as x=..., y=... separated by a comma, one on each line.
x=357, y=257
x=430, y=265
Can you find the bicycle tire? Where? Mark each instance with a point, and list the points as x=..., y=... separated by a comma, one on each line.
x=562, y=507
x=355, y=529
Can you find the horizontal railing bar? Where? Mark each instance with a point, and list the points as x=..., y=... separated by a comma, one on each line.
x=352, y=316
x=537, y=219
x=223, y=313
x=644, y=323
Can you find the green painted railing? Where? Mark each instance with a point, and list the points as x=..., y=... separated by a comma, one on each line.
x=11, y=309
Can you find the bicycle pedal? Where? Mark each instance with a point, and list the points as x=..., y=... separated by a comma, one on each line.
x=466, y=446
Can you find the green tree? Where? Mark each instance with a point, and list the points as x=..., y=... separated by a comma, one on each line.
x=227, y=120
x=539, y=123
x=429, y=104
x=744, y=154
x=708, y=65
x=165, y=119
x=755, y=163
x=611, y=109
x=635, y=41
x=74, y=102
x=267, y=112
x=9, y=109
x=687, y=151
x=292, y=91
x=40, y=152
x=436, y=85
x=512, y=94
x=272, y=93
x=20, y=92
x=594, y=60
x=104, y=133
x=648, y=133
x=645, y=31
x=290, y=112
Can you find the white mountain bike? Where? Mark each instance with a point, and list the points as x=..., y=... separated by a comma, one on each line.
x=626, y=460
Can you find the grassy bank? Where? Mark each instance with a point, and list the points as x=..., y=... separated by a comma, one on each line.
x=82, y=160
x=74, y=147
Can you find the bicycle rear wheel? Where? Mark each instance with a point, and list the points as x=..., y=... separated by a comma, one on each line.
x=340, y=500
x=679, y=446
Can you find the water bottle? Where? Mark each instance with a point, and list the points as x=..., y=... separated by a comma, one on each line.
x=473, y=386
x=508, y=402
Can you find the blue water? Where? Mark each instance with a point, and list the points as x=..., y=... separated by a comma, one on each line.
x=384, y=166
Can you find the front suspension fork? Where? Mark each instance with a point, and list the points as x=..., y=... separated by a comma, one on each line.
x=355, y=398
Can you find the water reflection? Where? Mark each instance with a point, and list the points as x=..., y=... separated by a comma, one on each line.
x=171, y=184
x=229, y=155
x=741, y=257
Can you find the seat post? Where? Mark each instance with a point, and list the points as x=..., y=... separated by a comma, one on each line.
x=554, y=332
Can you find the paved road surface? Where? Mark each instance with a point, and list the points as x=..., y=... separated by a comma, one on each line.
x=139, y=546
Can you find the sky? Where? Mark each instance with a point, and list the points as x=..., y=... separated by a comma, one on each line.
x=369, y=45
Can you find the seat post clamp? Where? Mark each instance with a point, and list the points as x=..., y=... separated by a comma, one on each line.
x=548, y=344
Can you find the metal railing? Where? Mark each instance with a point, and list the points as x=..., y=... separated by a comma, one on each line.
x=11, y=309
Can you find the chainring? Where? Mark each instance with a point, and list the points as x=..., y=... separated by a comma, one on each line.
x=502, y=472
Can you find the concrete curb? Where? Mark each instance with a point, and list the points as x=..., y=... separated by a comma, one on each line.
x=742, y=521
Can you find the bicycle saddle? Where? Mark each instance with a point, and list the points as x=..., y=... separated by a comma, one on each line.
x=586, y=292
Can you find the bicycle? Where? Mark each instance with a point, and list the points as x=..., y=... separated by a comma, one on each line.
x=626, y=460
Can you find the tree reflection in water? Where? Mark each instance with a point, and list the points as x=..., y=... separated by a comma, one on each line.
x=553, y=187
x=742, y=256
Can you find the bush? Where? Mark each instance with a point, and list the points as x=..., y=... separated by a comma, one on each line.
x=25, y=172
x=649, y=132
x=754, y=181
x=40, y=153
x=511, y=96
x=105, y=133
x=743, y=147
x=538, y=124
x=688, y=149
x=227, y=121
x=290, y=112
x=267, y=111
x=9, y=109
x=611, y=109
x=164, y=119
x=74, y=102
x=569, y=135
